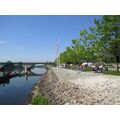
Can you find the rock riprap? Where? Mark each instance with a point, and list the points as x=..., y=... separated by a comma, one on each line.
x=72, y=87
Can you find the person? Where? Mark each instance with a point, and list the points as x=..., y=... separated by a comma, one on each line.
x=93, y=67
x=100, y=68
x=83, y=65
x=96, y=68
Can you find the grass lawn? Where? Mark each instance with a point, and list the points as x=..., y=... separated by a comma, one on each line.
x=40, y=100
x=87, y=69
x=112, y=73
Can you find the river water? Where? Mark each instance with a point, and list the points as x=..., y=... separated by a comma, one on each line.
x=15, y=91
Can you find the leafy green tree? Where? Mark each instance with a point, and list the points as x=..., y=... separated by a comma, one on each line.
x=76, y=50
x=69, y=55
x=100, y=43
x=108, y=28
x=88, y=42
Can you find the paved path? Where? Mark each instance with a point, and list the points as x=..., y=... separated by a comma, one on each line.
x=100, y=89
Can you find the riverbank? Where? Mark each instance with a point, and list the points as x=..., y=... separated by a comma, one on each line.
x=63, y=86
x=35, y=91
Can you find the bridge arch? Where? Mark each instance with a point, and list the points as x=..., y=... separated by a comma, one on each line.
x=36, y=66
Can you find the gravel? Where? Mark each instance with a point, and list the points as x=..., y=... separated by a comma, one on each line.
x=95, y=88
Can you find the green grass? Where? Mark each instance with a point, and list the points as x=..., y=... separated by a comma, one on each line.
x=112, y=73
x=40, y=100
x=87, y=69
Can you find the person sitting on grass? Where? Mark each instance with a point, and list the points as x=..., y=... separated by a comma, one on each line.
x=98, y=68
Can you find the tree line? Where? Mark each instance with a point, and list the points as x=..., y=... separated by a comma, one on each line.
x=98, y=43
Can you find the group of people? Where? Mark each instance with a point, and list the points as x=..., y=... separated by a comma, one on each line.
x=95, y=67
x=83, y=66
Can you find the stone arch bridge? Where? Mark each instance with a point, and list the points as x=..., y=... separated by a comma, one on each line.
x=30, y=64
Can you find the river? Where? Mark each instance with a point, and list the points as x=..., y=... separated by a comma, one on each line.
x=15, y=91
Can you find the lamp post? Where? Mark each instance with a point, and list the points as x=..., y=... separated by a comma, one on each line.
x=58, y=55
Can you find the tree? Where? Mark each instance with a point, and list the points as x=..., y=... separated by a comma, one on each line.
x=76, y=50
x=109, y=30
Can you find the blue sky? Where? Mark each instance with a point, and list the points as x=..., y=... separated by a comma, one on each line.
x=34, y=38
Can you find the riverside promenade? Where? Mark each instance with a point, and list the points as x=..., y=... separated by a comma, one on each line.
x=73, y=87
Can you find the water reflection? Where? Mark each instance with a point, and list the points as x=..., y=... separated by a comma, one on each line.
x=16, y=93
x=38, y=71
x=4, y=81
x=15, y=89
x=34, y=72
x=26, y=76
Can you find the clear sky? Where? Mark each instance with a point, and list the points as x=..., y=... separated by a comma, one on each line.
x=34, y=38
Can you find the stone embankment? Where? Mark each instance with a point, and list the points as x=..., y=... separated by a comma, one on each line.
x=63, y=86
